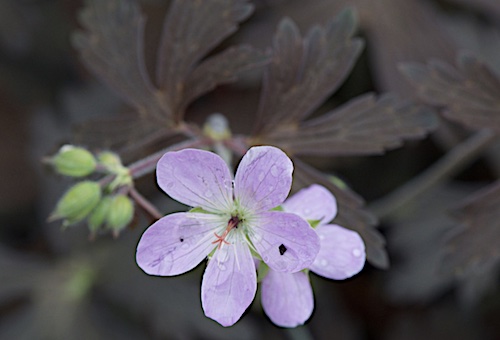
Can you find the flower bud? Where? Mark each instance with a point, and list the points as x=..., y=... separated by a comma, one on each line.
x=99, y=214
x=121, y=211
x=77, y=202
x=110, y=160
x=74, y=161
x=217, y=127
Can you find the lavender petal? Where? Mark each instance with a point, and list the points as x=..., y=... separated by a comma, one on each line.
x=287, y=298
x=263, y=179
x=196, y=178
x=229, y=284
x=176, y=243
x=313, y=203
x=342, y=253
x=285, y=241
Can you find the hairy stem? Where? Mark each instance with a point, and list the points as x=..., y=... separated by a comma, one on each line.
x=450, y=164
x=145, y=204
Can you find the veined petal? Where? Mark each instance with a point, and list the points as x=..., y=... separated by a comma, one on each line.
x=196, y=178
x=342, y=252
x=312, y=203
x=177, y=243
x=287, y=298
x=229, y=283
x=285, y=241
x=263, y=179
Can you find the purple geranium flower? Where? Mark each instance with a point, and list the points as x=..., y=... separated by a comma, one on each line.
x=229, y=224
x=287, y=298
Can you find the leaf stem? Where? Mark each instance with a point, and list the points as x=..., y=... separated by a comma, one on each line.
x=450, y=164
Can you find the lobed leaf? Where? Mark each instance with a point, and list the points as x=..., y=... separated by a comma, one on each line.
x=304, y=72
x=475, y=245
x=126, y=133
x=191, y=30
x=363, y=126
x=470, y=92
x=350, y=215
x=112, y=47
x=220, y=69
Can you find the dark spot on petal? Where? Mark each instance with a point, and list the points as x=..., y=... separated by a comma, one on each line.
x=282, y=249
x=181, y=239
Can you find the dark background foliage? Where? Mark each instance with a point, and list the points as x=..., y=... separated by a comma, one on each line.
x=436, y=199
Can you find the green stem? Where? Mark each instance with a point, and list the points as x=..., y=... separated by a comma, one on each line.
x=450, y=164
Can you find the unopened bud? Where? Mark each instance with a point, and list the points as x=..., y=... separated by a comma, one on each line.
x=77, y=202
x=121, y=211
x=74, y=161
x=110, y=160
x=217, y=127
x=99, y=214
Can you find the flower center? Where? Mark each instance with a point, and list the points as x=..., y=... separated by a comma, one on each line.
x=220, y=239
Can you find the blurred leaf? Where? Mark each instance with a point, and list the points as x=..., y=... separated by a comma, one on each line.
x=191, y=30
x=112, y=48
x=488, y=7
x=219, y=69
x=351, y=214
x=415, y=237
x=395, y=31
x=469, y=93
x=475, y=245
x=126, y=133
x=363, y=126
x=304, y=72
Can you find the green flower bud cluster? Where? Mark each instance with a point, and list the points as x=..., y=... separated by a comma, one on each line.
x=85, y=200
x=105, y=205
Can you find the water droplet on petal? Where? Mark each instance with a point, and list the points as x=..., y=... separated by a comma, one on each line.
x=321, y=236
x=274, y=170
x=222, y=267
x=323, y=263
x=257, y=237
x=185, y=245
x=356, y=252
x=208, y=194
x=265, y=258
x=222, y=255
x=261, y=176
x=170, y=185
